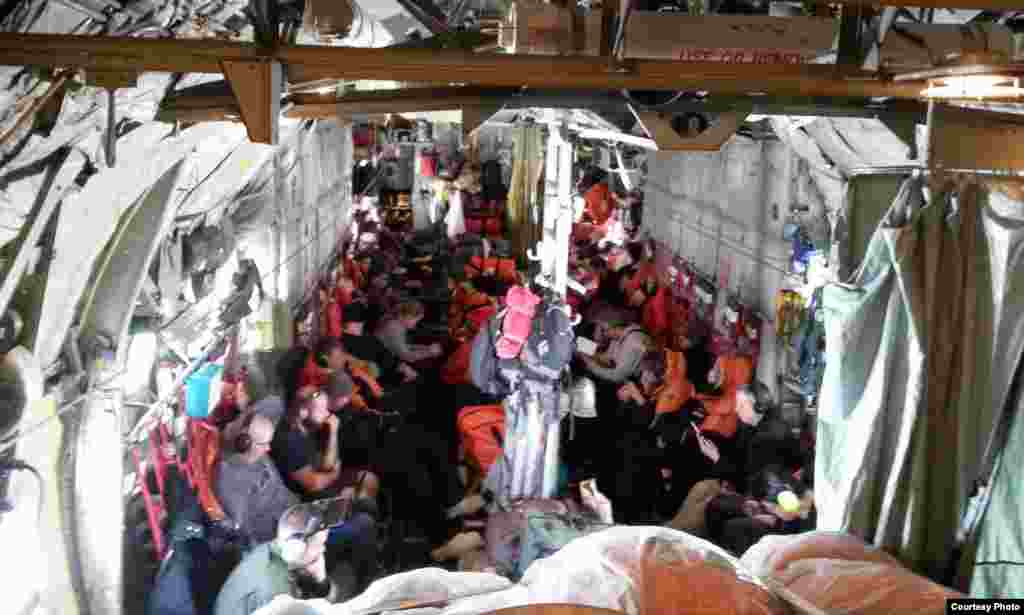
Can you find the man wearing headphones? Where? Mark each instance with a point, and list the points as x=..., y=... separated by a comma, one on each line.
x=292, y=563
x=248, y=485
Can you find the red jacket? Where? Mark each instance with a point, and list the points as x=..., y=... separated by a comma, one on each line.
x=655, y=316
x=598, y=203
x=312, y=374
x=456, y=369
x=333, y=324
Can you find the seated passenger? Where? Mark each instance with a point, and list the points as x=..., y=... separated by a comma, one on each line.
x=328, y=356
x=258, y=398
x=727, y=376
x=655, y=315
x=251, y=397
x=642, y=274
x=456, y=368
x=305, y=447
x=330, y=313
x=778, y=504
x=632, y=477
x=662, y=385
x=344, y=290
x=614, y=268
x=393, y=332
x=382, y=297
x=410, y=455
x=621, y=360
x=369, y=348
x=711, y=450
x=699, y=360
x=598, y=203
x=292, y=564
x=289, y=370
x=248, y=484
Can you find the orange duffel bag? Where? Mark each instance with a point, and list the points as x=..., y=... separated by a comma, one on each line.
x=482, y=432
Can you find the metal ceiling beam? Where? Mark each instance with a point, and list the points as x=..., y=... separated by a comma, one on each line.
x=942, y=4
x=414, y=100
x=410, y=100
x=308, y=63
x=198, y=105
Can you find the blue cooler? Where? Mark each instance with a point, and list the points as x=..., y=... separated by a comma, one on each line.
x=197, y=390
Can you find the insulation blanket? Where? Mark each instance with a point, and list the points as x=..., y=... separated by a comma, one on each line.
x=843, y=587
x=773, y=553
x=844, y=575
x=635, y=570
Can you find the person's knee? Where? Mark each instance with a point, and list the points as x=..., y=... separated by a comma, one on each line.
x=369, y=485
x=364, y=527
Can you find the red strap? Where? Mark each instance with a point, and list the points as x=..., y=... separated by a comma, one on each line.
x=152, y=508
x=156, y=455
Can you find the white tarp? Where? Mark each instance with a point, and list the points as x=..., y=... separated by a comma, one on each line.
x=602, y=570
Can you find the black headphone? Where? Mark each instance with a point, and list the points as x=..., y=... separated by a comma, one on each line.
x=243, y=441
x=321, y=359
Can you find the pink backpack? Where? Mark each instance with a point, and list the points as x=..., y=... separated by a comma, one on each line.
x=520, y=307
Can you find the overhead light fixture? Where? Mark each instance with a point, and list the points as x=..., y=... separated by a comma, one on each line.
x=978, y=87
x=975, y=76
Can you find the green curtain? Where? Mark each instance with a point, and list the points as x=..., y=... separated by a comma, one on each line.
x=906, y=404
x=998, y=567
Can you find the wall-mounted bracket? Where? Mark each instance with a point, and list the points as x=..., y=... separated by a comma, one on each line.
x=658, y=127
x=258, y=86
x=111, y=81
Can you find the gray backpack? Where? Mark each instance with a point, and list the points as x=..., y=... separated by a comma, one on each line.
x=484, y=363
x=545, y=355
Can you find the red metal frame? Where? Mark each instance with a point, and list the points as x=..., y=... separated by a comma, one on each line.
x=153, y=509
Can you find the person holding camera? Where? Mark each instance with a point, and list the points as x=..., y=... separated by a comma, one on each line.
x=294, y=562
